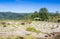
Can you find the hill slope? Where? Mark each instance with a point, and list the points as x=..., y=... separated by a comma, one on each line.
x=11, y=15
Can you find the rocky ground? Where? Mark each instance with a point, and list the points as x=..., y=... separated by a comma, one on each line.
x=39, y=29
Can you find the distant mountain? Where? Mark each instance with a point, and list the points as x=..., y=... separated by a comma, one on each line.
x=12, y=16
x=55, y=14
x=17, y=16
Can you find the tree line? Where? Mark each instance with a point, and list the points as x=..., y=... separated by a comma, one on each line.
x=44, y=14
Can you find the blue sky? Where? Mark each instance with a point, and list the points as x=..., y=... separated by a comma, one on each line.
x=22, y=6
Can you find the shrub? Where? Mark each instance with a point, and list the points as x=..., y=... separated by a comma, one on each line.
x=22, y=23
x=4, y=25
x=32, y=29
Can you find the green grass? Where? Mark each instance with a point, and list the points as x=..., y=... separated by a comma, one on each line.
x=25, y=37
x=29, y=37
x=32, y=29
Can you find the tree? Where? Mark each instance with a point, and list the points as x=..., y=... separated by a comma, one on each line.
x=35, y=14
x=43, y=14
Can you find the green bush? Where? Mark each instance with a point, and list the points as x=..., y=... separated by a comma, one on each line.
x=32, y=29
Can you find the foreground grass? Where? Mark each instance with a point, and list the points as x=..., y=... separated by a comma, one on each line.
x=26, y=37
